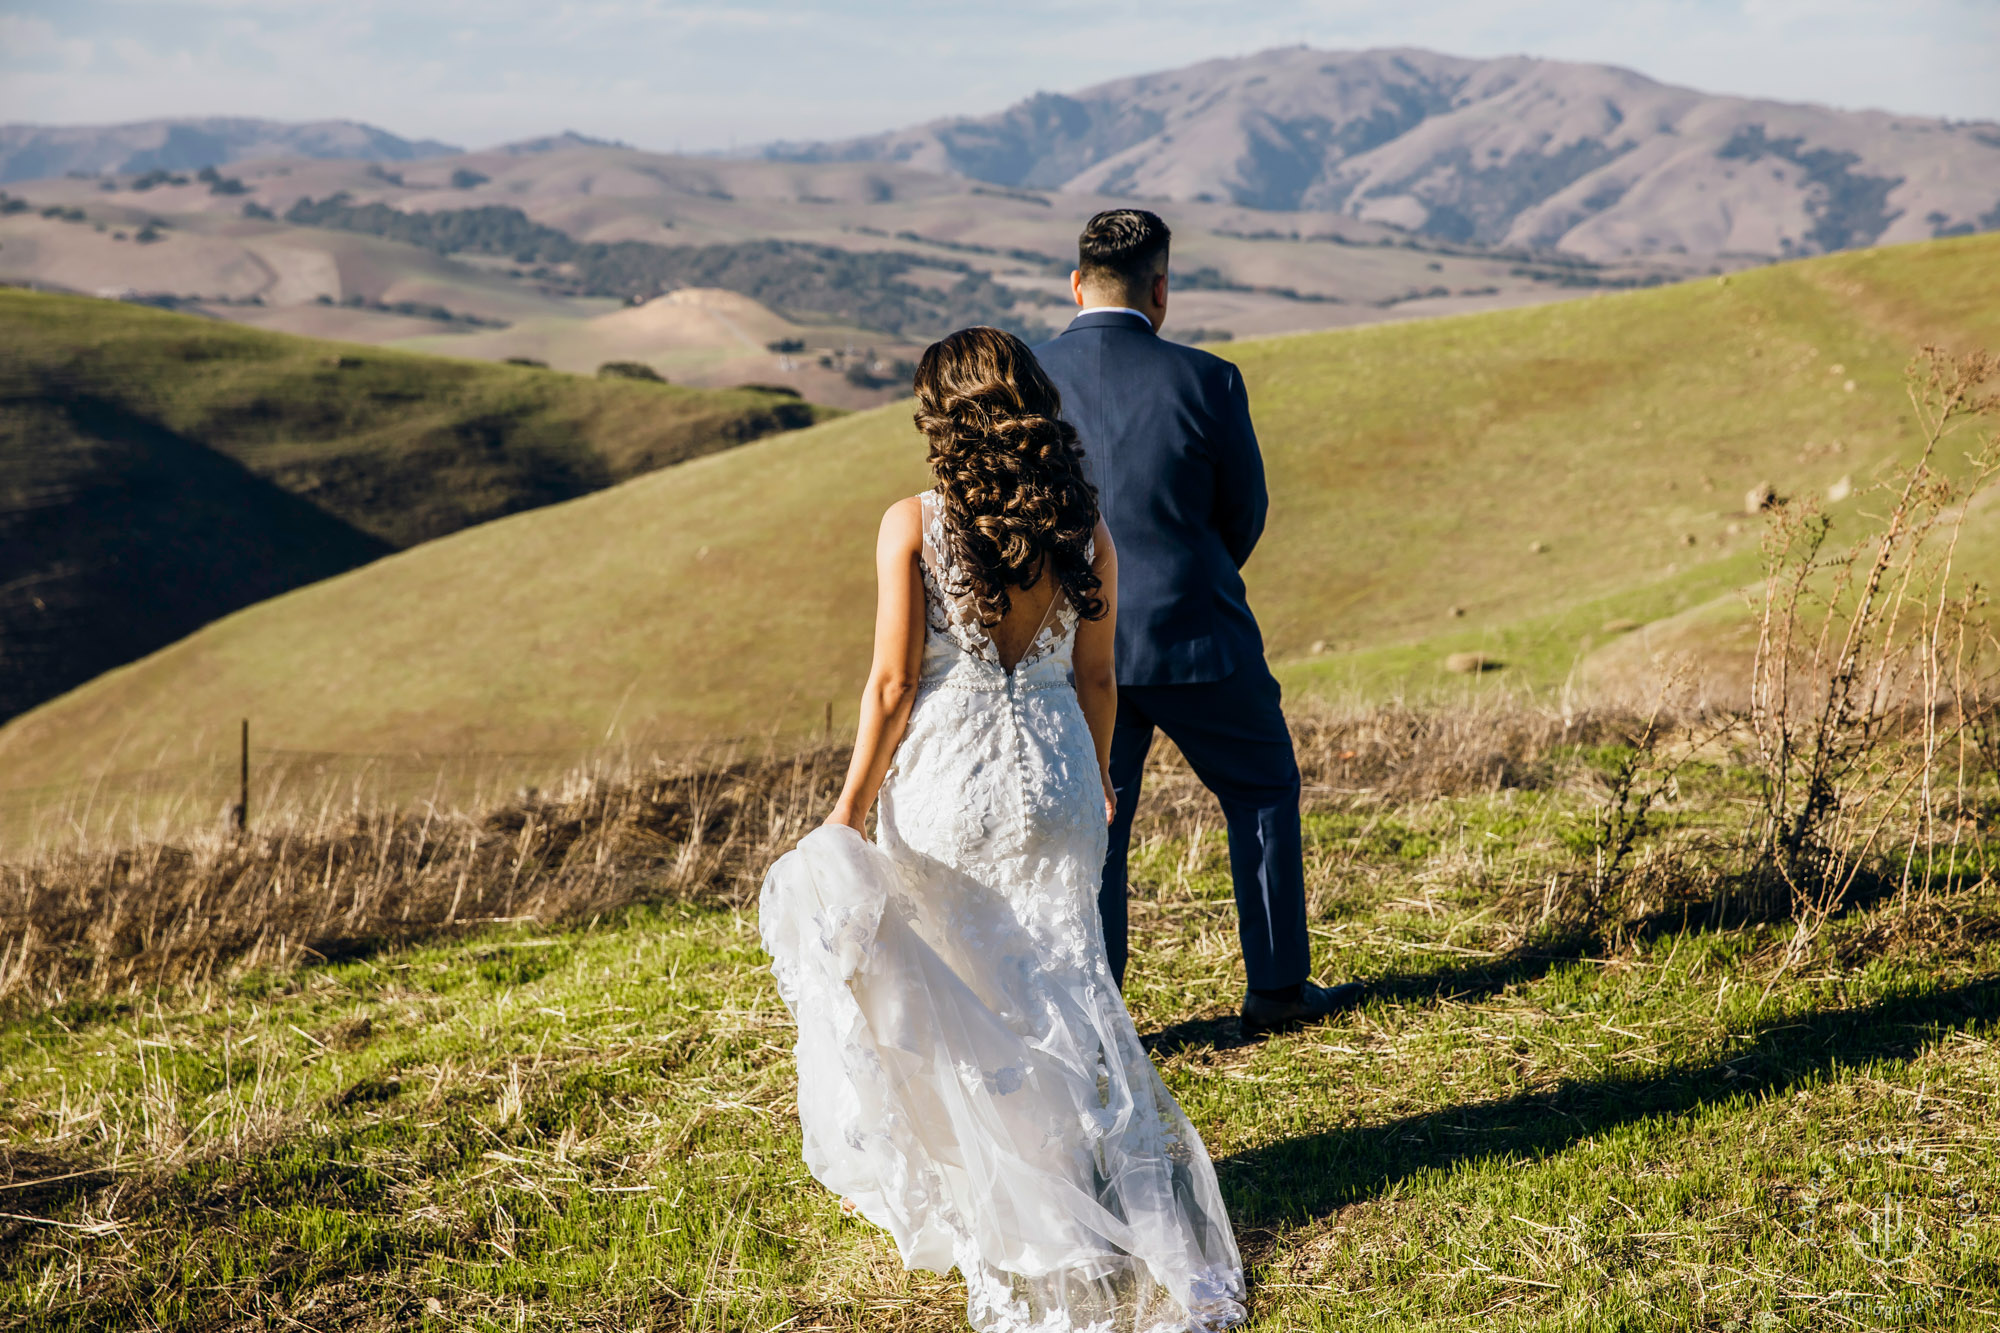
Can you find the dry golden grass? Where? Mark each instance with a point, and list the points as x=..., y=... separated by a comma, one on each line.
x=95, y=921
x=324, y=883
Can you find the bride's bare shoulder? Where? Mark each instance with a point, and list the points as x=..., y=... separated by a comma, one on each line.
x=903, y=523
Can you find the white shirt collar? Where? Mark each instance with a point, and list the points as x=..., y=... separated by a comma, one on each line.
x=1113, y=310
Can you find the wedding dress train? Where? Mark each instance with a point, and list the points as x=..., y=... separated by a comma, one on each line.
x=968, y=1075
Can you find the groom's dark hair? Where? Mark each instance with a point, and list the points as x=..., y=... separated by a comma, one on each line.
x=1125, y=246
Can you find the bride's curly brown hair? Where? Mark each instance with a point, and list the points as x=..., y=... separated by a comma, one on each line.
x=1009, y=473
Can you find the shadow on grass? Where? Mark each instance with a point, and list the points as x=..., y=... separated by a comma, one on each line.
x=1737, y=905
x=1306, y=1177
x=1751, y=899
x=32, y=1182
x=1471, y=980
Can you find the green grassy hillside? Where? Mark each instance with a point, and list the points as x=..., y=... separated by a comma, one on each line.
x=158, y=470
x=1509, y=481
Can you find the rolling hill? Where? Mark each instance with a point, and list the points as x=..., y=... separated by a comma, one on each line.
x=30, y=152
x=1590, y=159
x=159, y=470
x=702, y=335
x=546, y=237
x=1506, y=482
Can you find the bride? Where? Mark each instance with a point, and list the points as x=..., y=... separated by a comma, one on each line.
x=969, y=1079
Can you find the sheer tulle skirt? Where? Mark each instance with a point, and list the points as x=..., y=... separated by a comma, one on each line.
x=974, y=1085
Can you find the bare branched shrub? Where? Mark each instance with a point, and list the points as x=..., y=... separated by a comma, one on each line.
x=1641, y=774
x=1869, y=665
x=1638, y=777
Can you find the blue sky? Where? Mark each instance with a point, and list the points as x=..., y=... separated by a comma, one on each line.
x=664, y=74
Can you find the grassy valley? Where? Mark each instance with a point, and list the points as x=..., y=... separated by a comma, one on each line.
x=702, y=335
x=1510, y=483
x=162, y=470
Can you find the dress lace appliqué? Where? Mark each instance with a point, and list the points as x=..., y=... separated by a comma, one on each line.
x=968, y=1074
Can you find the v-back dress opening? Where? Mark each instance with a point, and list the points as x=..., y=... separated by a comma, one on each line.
x=968, y=1074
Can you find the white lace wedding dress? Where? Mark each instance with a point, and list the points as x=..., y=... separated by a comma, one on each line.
x=968, y=1075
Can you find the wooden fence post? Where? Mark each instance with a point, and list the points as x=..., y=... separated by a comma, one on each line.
x=243, y=783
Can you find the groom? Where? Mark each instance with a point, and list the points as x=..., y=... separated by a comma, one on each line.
x=1167, y=441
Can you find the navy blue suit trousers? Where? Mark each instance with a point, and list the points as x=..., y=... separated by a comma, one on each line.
x=1233, y=734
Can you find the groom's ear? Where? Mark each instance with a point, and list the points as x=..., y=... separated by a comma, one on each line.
x=1076, y=284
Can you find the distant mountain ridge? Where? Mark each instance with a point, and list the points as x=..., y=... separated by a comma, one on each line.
x=32, y=152
x=1592, y=159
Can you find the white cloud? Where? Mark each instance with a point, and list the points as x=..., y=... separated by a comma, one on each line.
x=29, y=40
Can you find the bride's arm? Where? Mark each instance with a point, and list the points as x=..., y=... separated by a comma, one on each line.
x=1096, y=673
x=899, y=652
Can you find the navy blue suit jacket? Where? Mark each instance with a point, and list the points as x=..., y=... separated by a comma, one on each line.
x=1167, y=441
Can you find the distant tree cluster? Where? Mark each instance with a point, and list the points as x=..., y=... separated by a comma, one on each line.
x=1208, y=278
x=866, y=370
x=415, y=310
x=1850, y=208
x=870, y=289
x=1035, y=257
x=220, y=184
x=1562, y=276
x=629, y=370
x=465, y=179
